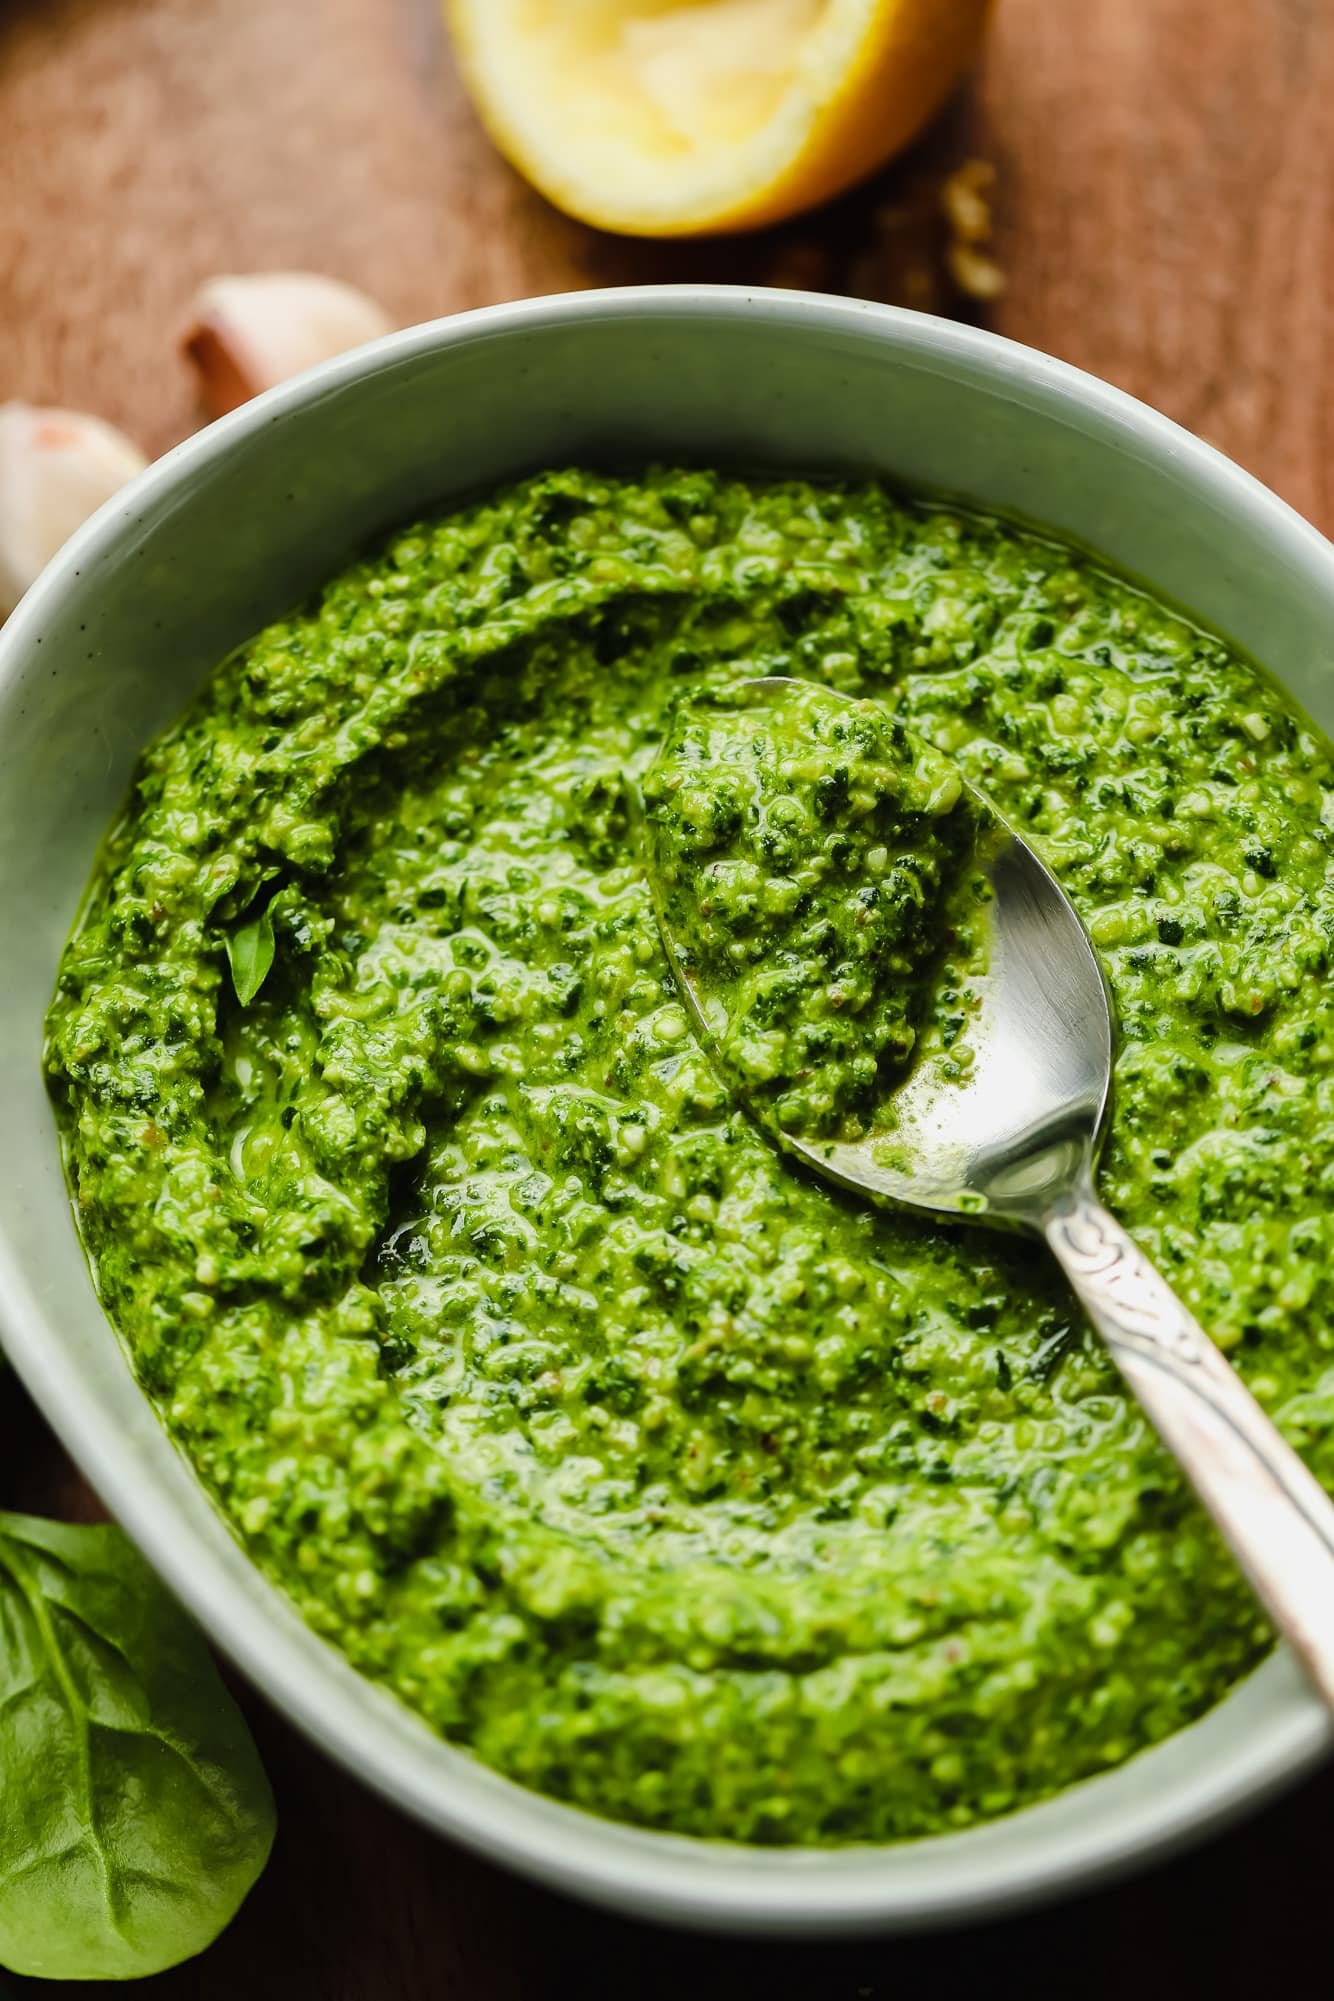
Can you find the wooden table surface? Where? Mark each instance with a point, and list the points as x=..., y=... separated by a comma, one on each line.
x=1165, y=213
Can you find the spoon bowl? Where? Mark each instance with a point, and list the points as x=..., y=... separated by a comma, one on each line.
x=1024, y=1121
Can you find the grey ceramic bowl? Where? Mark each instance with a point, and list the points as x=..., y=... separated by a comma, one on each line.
x=227, y=531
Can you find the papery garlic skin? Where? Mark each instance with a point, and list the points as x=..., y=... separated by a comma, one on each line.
x=244, y=334
x=56, y=468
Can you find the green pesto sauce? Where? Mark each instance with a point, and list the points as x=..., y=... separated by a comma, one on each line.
x=809, y=855
x=663, y=1477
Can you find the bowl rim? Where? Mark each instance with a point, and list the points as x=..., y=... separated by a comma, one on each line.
x=999, y=1867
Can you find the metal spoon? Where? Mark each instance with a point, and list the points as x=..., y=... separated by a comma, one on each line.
x=1013, y=1144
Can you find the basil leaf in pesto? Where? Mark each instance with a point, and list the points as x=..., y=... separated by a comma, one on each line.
x=250, y=951
x=135, y=1814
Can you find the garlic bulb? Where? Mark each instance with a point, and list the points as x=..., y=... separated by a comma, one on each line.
x=245, y=334
x=56, y=468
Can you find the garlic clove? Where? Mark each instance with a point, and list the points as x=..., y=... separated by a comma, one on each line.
x=245, y=334
x=56, y=468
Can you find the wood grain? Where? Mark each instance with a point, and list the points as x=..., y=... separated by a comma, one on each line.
x=1166, y=217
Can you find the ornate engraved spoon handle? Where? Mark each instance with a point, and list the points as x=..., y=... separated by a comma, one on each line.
x=1273, y=1512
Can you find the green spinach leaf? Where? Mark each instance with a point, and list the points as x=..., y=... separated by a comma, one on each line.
x=250, y=948
x=134, y=1811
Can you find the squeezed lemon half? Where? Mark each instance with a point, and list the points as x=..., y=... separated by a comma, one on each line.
x=689, y=117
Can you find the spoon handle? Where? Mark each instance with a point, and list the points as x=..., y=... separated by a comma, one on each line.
x=1271, y=1509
